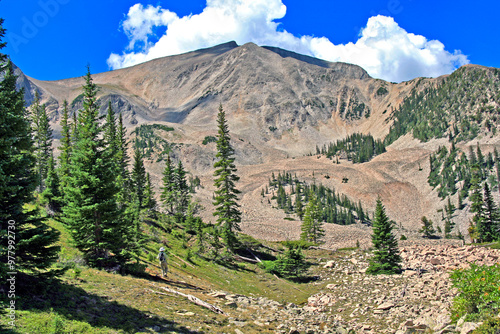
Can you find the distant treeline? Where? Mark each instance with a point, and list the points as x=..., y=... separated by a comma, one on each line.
x=292, y=195
x=459, y=107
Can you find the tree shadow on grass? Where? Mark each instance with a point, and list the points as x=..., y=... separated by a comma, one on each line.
x=74, y=303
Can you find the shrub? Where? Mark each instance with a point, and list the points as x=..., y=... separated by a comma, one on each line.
x=209, y=139
x=151, y=257
x=136, y=269
x=382, y=91
x=291, y=264
x=478, y=292
x=490, y=326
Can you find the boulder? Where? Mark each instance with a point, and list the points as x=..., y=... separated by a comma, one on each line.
x=435, y=261
x=468, y=327
x=385, y=306
x=329, y=264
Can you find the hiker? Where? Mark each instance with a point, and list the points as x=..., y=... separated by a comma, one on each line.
x=163, y=261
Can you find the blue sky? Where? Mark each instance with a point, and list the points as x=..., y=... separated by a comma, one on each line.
x=392, y=39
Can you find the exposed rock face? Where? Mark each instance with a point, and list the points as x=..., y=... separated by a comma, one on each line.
x=268, y=91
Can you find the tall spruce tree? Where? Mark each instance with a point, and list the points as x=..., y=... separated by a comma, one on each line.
x=52, y=192
x=34, y=250
x=65, y=148
x=226, y=195
x=487, y=230
x=312, y=226
x=386, y=258
x=42, y=136
x=122, y=176
x=91, y=213
x=476, y=208
x=149, y=195
x=138, y=176
x=168, y=196
x=181, y=188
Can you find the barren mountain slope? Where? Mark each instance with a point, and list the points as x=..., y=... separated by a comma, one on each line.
x=280, y=105
x=269, y=93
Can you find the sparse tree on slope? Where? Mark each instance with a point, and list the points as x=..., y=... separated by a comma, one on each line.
x=386, y=258
x=312, y=226
x=427, y=227
x=487, y=230
x=226, y=195
x=168, y=190
x=476, y=198
x=138, y=178
x=181, y=189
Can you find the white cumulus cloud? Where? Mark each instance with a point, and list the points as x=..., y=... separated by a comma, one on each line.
x=383, y=49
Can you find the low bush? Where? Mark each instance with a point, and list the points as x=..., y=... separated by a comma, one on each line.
x=478, y=292
x=290, y=265
x=490, y=326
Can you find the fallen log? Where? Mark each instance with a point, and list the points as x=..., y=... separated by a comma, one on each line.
x=256, y=258
x=191, y=298
x=246, y=259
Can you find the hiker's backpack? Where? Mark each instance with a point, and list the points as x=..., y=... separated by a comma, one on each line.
x=162, y=257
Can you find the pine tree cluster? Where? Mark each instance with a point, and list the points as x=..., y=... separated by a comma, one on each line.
x=478, y=175
x=450, y=168
x=292, y=195
x=357, y=148
x=150, y=142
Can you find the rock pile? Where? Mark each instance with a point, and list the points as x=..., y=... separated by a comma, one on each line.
x=417, y=301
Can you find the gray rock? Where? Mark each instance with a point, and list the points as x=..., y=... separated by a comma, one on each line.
x=468, y=327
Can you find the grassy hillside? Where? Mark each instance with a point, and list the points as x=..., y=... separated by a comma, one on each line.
x=87, y=300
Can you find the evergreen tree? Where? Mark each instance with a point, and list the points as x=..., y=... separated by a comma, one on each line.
x=476, y=208
x=65, y=148
x=291, y=264
x=427, y=228
x=121, y=159
x=497, y=162
x=110, y=131
x=181, y=189
x=42, y=135
x=138, y=178
x=386, y=258
x=35, y=251
x=149, y=200
x=52, y=193
x=91, y=213
x=299, y=207
x=312, y=226
x=226, y=195
x=74, y=129
x=168, y=196
x=487, y=230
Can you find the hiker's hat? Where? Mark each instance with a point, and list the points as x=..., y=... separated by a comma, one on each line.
x=162, y=249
